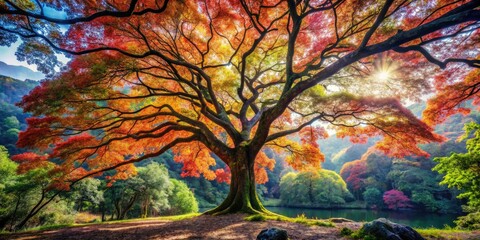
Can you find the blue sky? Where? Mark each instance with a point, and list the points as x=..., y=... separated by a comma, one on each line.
x=7, y=54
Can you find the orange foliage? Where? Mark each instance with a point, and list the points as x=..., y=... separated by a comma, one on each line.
x=223, y=176
x=261, y=163
x=208, y=78
x=196, y=160
x=450, y=96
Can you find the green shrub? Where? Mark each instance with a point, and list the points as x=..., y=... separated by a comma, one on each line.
x=256, y=218
x=360, y=234
x=320, y=188
x=56, y=213
x=373, y=197
x=182, y=200
x=346, y=231
x=471, y=221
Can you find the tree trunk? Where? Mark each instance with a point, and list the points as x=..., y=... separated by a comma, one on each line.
x=118, y=208
x=127, y=208
x=103, y=210
x=39, y=206
x=80, y=205
x=112, y=216
x=144, y=208
x=243, y=195
x=14, y=214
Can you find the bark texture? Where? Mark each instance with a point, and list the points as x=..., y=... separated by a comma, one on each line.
x=243, y=195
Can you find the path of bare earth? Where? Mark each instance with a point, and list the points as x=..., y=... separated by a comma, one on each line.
x=202, y=227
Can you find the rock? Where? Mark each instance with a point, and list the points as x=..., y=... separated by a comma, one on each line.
x=272, y=234
x=384, y=229
x=339, y=220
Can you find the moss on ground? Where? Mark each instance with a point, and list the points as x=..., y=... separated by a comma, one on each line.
x=299, y=219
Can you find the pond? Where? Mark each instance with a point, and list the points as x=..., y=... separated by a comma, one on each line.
x=410, y=218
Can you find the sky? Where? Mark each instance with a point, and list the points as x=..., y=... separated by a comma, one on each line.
x=7, y=54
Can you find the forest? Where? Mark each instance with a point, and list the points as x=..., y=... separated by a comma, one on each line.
x=155, y=108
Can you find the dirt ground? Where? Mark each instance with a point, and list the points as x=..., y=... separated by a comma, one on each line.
x=201, y=227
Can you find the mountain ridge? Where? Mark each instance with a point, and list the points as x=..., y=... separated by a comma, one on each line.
x=19, y=72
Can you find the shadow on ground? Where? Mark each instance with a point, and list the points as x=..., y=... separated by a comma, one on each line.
x=202, y=227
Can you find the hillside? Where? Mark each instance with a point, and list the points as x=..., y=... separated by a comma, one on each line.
x=12, y=90
x=19, y=72
x=12, y=118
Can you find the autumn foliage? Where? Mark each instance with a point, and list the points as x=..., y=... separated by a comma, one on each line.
x=230, y=78
x=355, y=174
x=395, y=199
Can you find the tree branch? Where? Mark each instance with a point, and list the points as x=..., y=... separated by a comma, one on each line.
x=120, y=14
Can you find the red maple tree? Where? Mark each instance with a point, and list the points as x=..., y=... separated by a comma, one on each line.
x=232, y=77
x=355, y=175
x=395, y=199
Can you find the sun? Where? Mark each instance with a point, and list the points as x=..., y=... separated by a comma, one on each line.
x=384, y=69
x=382, y=75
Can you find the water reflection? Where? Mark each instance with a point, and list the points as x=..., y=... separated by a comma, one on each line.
x=413, y=219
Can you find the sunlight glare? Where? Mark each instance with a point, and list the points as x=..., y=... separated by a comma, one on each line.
x=383, y=75
x=384, y=70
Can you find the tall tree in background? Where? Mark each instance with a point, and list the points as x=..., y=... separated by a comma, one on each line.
x=462, y=171
x=233, y=77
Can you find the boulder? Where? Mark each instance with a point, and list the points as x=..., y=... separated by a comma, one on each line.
x=272, y=234
x=384, y=229
x=339, y=220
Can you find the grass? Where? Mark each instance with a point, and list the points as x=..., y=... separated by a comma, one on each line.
x=167, y=218
x=58, y=226
x=299, y=219
x=52, y=227
x=447, y=233
x=86, y=217
x=256, y=218
x=346, y=231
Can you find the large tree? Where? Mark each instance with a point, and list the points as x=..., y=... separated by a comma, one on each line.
x=233, y=77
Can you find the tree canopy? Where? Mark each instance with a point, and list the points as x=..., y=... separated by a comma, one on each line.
x=462, y=172
x=231, y=78
x=322, y=188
